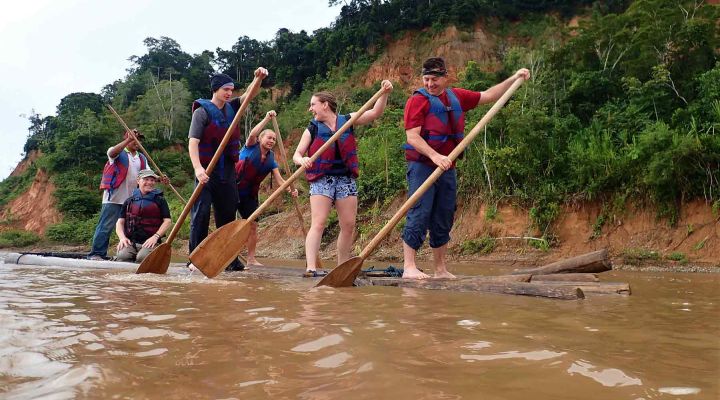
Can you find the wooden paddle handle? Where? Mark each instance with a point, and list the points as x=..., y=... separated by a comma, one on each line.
x=283, y=160
x=315, y=156
x=439, y=171
x=214, y=160
x=132, y=135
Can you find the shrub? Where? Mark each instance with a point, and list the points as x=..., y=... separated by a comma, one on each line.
x=18, y=238
x=72, y=231
x=483, y=245
x=12, y=186
x=677, y=256
x=638, y=256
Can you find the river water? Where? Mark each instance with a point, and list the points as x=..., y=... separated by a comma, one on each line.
x=90, y=334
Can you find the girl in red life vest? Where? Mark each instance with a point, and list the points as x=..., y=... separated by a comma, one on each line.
x=332, y=176
x=256, y=161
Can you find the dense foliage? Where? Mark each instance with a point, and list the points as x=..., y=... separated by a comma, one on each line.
x=626, y=106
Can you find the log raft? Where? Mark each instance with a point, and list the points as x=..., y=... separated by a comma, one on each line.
x=572, y=278
x=569, y=279
x=497, y=284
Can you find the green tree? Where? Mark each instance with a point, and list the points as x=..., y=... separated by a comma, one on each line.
x=162, y=112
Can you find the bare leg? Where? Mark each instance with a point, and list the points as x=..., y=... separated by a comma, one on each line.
x=441, y=270
x=410, y=270
x=319, y=210
x=347, y=210
x=251, y=245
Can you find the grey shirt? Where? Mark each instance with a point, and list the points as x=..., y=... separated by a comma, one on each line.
x=200, y=119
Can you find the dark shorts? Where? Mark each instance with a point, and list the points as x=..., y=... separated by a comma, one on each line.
x=247, y=205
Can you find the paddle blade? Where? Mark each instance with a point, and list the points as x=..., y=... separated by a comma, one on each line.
x=344, y=274
x=157, y=262
x=220, y=248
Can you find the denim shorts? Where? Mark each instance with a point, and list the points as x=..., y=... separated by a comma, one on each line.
x=334, y=187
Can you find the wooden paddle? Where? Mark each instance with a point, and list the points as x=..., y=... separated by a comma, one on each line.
x=158, y=260
x=223, y=245
x=345, y=273
x=283, y=159
x=132, y=135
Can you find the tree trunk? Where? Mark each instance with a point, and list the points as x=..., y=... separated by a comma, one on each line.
x=482, y=284
x=572, y=277
x=593, y=288
x=597, y=261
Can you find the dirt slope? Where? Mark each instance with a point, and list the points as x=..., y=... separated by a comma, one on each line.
x=35, y=209
x=696, y=235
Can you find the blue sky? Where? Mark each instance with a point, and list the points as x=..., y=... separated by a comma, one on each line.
x=52, y=48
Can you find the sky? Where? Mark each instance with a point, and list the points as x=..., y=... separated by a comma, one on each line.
x=51, y=48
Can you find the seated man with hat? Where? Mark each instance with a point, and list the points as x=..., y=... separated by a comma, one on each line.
x=144, y=219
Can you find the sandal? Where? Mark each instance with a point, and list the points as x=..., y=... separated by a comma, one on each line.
x=389, y=272
x=314, y=274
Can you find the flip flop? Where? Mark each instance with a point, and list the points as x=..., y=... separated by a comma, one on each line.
x=314, y=274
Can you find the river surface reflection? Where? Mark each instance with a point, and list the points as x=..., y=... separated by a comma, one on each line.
x=83, y=334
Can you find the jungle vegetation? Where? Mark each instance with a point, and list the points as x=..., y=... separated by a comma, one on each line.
x=624, y=107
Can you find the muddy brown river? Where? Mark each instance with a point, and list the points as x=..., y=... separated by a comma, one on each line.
x=107, y=334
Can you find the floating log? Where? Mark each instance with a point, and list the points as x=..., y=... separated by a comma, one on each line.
x=621, y=288
x=482, y=284
x=596, y=261
x=572, y=277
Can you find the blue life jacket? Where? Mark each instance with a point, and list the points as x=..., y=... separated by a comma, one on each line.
x=251, y=170
x=218, y=123
x=443, y=129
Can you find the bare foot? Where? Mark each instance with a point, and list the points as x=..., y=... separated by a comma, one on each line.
x=414, y=273
x=444, y=275
x=251, y=262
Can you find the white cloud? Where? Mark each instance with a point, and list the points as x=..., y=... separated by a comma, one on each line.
x=53, y=48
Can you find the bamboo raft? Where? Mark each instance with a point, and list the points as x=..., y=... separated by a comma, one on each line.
x=570, y=279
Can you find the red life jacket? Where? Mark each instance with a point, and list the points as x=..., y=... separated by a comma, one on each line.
x=143, y=215
x=443, y=129
x=218, y=123
x=251, y=170
x=340, y=159
x=114, y=173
